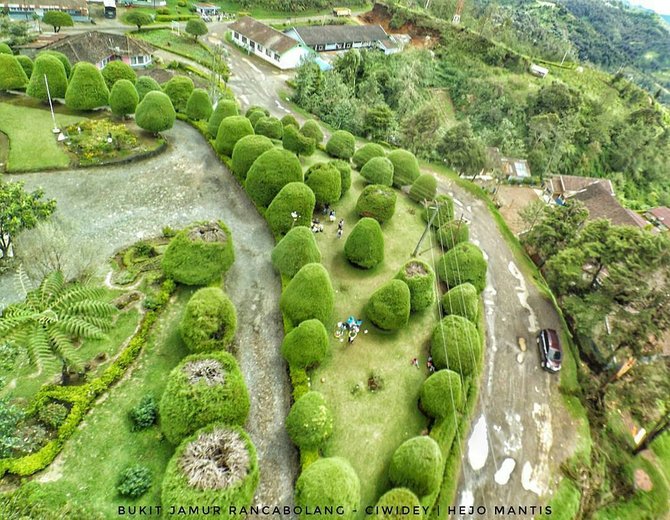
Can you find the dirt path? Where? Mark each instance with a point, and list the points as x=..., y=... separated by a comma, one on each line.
x=113, y=207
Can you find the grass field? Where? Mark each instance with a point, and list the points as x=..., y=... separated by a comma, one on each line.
x=183, y=45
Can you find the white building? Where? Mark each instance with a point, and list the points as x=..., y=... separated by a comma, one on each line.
x=342, y=37
x=540, y=72
x=268, y=43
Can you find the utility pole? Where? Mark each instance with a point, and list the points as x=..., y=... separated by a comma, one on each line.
x=55, y=129
x=425, y=231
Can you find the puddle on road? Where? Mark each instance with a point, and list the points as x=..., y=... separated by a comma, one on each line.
x=478, y=446
x=503, y=475
x=522, y=293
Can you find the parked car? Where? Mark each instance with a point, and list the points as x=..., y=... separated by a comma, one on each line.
x=551, y=352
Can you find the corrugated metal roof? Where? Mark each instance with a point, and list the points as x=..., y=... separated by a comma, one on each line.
x=325, y=34
x=263, y=34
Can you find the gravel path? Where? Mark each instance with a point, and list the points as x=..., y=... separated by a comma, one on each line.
x=113, y=207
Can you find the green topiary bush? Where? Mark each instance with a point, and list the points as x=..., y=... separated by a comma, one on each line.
x=209, y=322
x=134, y=481
x=309, y=295
x=452, y=233
x=255, y=115
x=144, y=415
x=463, y=263
x=289, y=120
x=295, y=197
x=462, y=300
x=312, y=129
x=56, y=76
x=441, y=395
x=269, y=173
x=224, y=108
x=367, y=152
x=378, y=170
x=5, y=49
x=307, y=345
x=417, y=465
x=231, y=130
x=215, y=467
x=12, y=75
x=199, y=106
x=53, y=415
x=297, y=143
x=444, y=206
x=365, y=244
x=200, y=390
x=246, y=151
x=60, y=57
x=345, y=174
x=405, y=167
x=309, y=422
x=376, y=201
x=392, y=503
x=270, y=127
x=26, y=64
x=296, y=249
x=257, y=108
x=200, y=254
x=123, y=98
x=456, y=345
x=329, y=482
x=420, y=279
x=179, y=89
x=117, y=70
x=389, y=306
x=325, y=181
x=155, y=112
x=424, y=188
x=87, y=89
x=146, y=84
x=341, y=145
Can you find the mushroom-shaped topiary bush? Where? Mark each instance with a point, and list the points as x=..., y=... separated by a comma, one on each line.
x=146, y=84
x=255, y=114
x=441, y=394
x=270, y=127
x=215, y=467
x=199, y=106
x=60, y=57
x=308, y=295
x=424, y=188
x=297, y=143
x=341, y=145
x=310, y=422
x=297, y=249
x=452, y=233
x=389, y=306
x=200, y=254
x=123, y=98
x=231, y=130
x=420, y=279
x=269, y=173
x=378, y=170
x=463, y=263
x=325, y=181
x=376, y=201
x=117, y=70
x=200, y=390
x=417, y=465
x=209, y=322
x=345, y=174
x=55, y=73
x=456, y=345
x=462, y=300
x=367, y=152
x=87, y=89
x=289, y=120
x=443, y=205
x=329, y=482
x=306, y=345
x=397, y=504
x=405, y=167
x=246, y=151
x=312, y=129
x=178, y=89
x=224, y=108
x=26, y=64
x=155, y=112
x=296, y=198
x=365, y=244
x=12, y=75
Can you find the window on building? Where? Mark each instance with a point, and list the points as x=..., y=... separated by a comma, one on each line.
x=277, y=57
x=236, y=35
x=267, y=51
x=260, y=47
x=244, y=39
x=138, y=60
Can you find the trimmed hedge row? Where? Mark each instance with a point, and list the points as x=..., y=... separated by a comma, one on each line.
x=308, y=295
x=297, y=249
x=295, y=197
x=462, y=300
x=231, y=129
x=455, y=344
x=209, y=322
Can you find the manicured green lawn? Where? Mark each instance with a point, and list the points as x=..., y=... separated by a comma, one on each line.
x=32, y=145
x=183, y=45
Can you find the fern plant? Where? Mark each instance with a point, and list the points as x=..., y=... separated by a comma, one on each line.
x=52, y=319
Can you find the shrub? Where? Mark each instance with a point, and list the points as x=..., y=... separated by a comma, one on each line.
x=146, y=84
x=123, y=98
x=86, y=90
x=405, y=167
x=325, y=181
x=56, y=76
x=57, y=19
x=365, y=244
x=116, y=70
x=295, y=197
x=378, y=170
x=155, y=112
x=255, y=115
x=309, y=295
x=60, y=57
x=441, y=394
x=5, y=49
x=462, y=300
x=196, y=27
x=257, y=108
x=289, y=120
x=134, y=481
x=312, y=129
x=296, y=249
x=270, y=127
x=200, y=254
x=341, y=145
x=199, y=106
x=420, y=279
x=417, y=465
x=306, y=345
x=179, y=89
x=269, y=173
x=444, y=206
x=452, y=233
x=390, y=506
x=424, y=188
x=345, y=174
x=455, y=344
x=216, y=467
x=388, y=307
x=246, y=151
x=145, y=414
x=200, y=390
x=12, y=75
x=297, y=143
x=231, y=130
x=463, y=263
x=367, y=152
x=376, y=201
x=209, y=322
x=224, y=108
x=309, y=422
x=26, y=64
x=329, y=482
x=53, y=415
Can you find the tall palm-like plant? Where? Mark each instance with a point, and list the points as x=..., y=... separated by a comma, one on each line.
x=52, y=318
